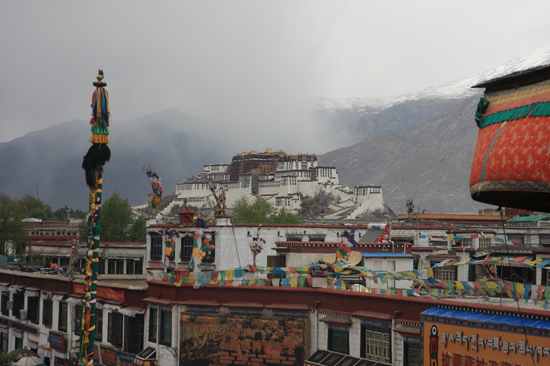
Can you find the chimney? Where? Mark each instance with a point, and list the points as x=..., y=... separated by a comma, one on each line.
x=186, y=217
x=223, y=220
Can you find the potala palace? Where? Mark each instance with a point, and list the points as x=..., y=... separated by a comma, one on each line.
x=280, y=179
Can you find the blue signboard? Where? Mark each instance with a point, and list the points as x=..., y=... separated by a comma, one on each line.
x=125, y=359
x=57, y=341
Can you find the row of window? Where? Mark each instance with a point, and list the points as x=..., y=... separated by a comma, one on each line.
x=127, y=332
x=124, y=332
x=485, y=243
x=108, y=266
x=186, y=250
x=375, y=344
x=450, y=273
x=32, y=232
x=363, y=191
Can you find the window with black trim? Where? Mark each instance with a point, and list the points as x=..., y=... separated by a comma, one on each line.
x=5, y=299
x=18, y=303
x=133, y=333
x=153, y=322
x=77, y=321
x=115, y=325
x=467, y=242
x=172, y=255
x=375, y=342
x=186, y=248
x=484, y=243
x=294, y=238
x=101, y=266
x=18, y=343
x=47, y=310
x=62, y=319
x=165, y=329
x=338, y=339
x=156, y=247
x=4, y=343
x=517, y=238
x=98, y=324
x=116, y=266
x=33, y=309
x=134, y=266
x=411, y=352
x=446, y=273
x=210, y=256
x=545, y=278
x=544, y=240
x=316, y=237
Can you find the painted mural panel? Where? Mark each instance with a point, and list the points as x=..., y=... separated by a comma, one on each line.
x=211, y=339
x=458, y=342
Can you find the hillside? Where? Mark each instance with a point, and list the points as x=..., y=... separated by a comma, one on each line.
x=428, y=161
x=47, y=163
x=354, y=122
x=417, y=146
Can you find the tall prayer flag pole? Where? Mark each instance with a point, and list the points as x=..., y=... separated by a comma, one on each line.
x=93, y=163
x=257, y=245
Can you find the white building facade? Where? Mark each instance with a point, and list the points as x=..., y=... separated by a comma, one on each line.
x=281, y=181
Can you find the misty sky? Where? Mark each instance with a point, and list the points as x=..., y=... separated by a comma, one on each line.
x=255, y=65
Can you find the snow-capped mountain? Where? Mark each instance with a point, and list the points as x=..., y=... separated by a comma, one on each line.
x=418, y=145
x=456, y=90
x=463, y=89
x=368, y=105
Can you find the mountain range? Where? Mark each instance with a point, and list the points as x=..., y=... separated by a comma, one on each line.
x=427, y=161
x=417, y=146
x=47, y=163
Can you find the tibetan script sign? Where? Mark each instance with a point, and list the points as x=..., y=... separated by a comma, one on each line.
x=104, y=292
x=57, y=341
x=479, y=343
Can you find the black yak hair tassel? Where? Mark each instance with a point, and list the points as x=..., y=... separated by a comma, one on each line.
x=96, y=156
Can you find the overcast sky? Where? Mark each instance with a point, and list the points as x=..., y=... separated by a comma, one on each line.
x=252, y=64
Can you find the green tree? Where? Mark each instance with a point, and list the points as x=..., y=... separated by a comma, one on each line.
x=138, y=232
x=6, y=358
x=78, y=214
x=119, y=223
x=11, y=224
x=61, y=214
x=37, y=213
x=35, y=208
x=259, y=212
x=284, y=217
x=83, y=230
x=251, y=213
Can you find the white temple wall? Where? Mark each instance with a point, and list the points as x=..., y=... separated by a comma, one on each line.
x=292, y=178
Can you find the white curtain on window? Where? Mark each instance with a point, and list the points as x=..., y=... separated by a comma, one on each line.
x=131, y=311
x=16, y=288
x=74, y=300
x=33, y=293
x=44, y=351
x=111, y=307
